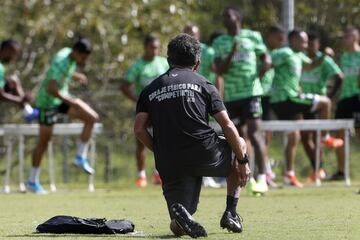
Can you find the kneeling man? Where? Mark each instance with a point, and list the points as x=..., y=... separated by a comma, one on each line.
x=177, y=106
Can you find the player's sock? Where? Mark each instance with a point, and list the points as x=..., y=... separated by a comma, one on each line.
x=83, y=149
x=231, y=203
x=142, y=173
x=261, y=178
x=290, y=173
x=27, y=109
x=34, y=174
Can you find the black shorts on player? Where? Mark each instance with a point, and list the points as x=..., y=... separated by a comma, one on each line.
x=50, y=116
x=266, y=108
x=244, y=109
x=292, y=107
x=186, y=189
x=349, y=108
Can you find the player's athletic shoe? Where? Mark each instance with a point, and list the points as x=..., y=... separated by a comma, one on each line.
x=292, y=181
x=36, y=188
x=332, y=142
x=260, y=187
x=141, y=182
x=270, y=181
x=210, y=182
x=231, y=223
x=320, y=174
x=33, y=115
x=156, y=178
x=176, y=229
x=250, y=185
x=186, y=222
x=83, y=164
x=338, y=176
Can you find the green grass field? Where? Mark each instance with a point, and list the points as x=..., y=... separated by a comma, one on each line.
x=329, y=212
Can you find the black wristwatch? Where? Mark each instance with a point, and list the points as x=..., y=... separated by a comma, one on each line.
x=245, y=159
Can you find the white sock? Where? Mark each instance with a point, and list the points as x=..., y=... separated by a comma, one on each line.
x=325, y=137
x=83, y=149
x=290, y=173
x=34, y=174
x=142, y=173
x=27, y=109
x=261, y=178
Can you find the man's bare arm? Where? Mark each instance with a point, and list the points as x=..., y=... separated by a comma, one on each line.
x=140, y=130
x=222, y=65
x=128, y=90
x=338, y=79
x=53, y=90
x=11, y=98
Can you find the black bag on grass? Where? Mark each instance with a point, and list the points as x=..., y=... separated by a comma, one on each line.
x=69, y=224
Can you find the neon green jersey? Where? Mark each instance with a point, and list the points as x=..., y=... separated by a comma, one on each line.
x=61, y=70
x=350, y=64
x=266, y=82
x=2, y=76
x=207, y=59
x=288, y=66
x=241, y=80
x=315, y=80
x=142, y=72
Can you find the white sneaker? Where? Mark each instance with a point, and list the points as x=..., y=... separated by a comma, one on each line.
x=210, y=182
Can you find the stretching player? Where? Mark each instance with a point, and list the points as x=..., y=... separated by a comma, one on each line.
x=275, y=38
x=287, y=101
x=177, y=105
x=138, y=76
x=10, y=86
x=53, y=99
x=315, y=81
x=236, y=55
x=349, y=105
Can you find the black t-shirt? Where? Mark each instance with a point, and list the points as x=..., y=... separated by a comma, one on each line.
x=179, y=103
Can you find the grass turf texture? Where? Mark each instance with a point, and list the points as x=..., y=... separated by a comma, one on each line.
x=329, y=212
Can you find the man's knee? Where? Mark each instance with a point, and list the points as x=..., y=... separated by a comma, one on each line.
x=323, y=102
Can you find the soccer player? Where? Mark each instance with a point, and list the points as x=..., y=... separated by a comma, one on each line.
x=139, y=75
x=177, y=105
x=289, y=104
x=53, y=99
x=206, y=70
x=10, y=86
x=236, y=55
x=349, y=101
x=275, y=38
x=315, y=81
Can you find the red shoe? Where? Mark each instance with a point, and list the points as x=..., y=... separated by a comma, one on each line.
x=332, y=142
x=292, y=181
x=141, y=182
x=157, y=179
x=320, y=174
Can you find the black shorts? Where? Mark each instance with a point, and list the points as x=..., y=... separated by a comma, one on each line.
x=292, y=107
x=50, y=116
x=248, y=108
x=348, y=108
x=266, y=108
x=186, y=189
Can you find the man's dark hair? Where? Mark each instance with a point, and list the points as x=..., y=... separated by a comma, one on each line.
x=215, y=35
x=150, y=39
x=82, y=45
x=294, y=33
x=183, y=50
x=9, y=43
x=275, y=29
x=313, y=36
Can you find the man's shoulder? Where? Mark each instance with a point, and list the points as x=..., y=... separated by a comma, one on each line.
x=62, y=56
x=222, y=39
